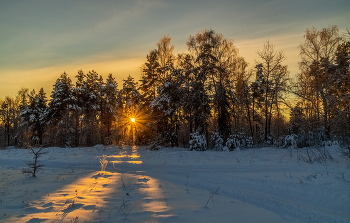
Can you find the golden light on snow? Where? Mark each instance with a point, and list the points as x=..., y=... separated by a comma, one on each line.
x=124, y=157
x=95, y=197
x=131, y=161
x=78, y=200
x=155, y=197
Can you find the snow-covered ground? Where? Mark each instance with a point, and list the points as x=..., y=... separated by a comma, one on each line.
x=173, y=185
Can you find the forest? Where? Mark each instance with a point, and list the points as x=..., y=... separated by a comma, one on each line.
x=206, y=98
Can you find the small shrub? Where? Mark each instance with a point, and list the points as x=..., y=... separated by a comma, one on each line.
x=307, y=155
x=154, y=146
x=311, y=155
x=34, y=165
x=157, y=143
x=291, y=141
x=232, y=143
x=198, y=142
x=75, y=220
x=103, y=162
x=216, y=142
x=345, y=151
x=239, y=141
x=311, y=138
x=212, y=196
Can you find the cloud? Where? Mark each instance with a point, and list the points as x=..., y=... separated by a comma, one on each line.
x=47, y=37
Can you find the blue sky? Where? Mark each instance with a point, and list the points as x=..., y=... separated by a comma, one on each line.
x=39, y=40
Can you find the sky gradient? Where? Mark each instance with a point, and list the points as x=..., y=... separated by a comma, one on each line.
x=39, y=40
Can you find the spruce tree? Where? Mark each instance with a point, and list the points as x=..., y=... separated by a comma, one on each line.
x=78, y=93
x=168, y=102
x=110, y=105
x=35, y=116
x=91, y=107
x=130, y=99
x=62, y=107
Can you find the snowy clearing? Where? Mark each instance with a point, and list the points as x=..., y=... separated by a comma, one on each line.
x=172, y=185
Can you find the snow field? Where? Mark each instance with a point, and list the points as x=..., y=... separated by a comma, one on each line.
x=173, y=185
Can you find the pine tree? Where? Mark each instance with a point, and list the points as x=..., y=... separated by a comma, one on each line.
x=297, y=119
x=168, y=102
x=186, y=63
x=20, y=126
x=62, y=107
x=150, y=80
x=110, y=96
x=91, y=107
x=257, y=99
x=35, y=116
x=156, y=70
x=201, y=47
x=100, y=86
x=8, y=114
x=78, y=93
x=130, y=99
x=217, y=65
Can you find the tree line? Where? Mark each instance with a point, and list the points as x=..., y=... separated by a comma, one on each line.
x=206, y=94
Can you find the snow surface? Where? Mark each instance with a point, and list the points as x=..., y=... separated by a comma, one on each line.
x=172, y=185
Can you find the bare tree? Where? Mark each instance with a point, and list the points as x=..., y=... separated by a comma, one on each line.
x=274, y=81
x=318, y=53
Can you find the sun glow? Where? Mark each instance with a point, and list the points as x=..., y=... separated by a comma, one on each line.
x=133, y=123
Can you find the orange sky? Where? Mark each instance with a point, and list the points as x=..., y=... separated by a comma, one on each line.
x=41, y=39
